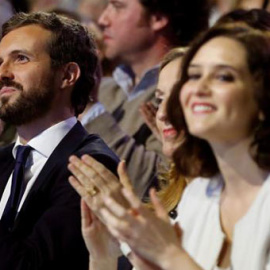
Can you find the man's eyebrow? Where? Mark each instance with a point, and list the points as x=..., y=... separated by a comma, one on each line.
x=14, y=52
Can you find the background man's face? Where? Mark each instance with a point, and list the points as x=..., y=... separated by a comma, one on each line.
x=27, y=81
x=127, y=29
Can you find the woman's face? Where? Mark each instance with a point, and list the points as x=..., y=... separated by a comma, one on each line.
x=218, y=97
x=168, y=76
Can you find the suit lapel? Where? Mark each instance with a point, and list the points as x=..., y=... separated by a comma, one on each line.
x=60, y=155
x=7, y=165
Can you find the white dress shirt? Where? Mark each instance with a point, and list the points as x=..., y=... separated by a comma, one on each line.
x=43, y=145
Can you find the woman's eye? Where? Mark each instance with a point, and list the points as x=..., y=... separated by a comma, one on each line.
x=158, y=101
x=193, y=76
x=225, y=77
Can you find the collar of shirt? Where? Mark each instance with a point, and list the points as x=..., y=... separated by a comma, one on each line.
x=45, y=142
x=96, y=110
x=124, y=77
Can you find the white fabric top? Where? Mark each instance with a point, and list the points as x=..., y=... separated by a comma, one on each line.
x=43, y=145
x=198, y=216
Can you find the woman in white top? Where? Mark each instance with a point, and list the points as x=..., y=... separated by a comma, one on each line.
x=223, y=102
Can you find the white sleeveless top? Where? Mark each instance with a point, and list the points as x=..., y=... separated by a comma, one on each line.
x=199, y=218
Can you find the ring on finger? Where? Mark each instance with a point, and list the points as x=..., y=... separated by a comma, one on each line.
x=92, y=191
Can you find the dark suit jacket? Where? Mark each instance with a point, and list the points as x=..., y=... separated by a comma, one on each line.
x=47, y=233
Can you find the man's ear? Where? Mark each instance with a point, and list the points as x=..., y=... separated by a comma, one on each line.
x=71, y=73
x=159, y=21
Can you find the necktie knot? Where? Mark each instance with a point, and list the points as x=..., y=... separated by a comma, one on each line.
x=22, y=153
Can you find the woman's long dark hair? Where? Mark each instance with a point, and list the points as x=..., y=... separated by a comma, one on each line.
x=195, y=156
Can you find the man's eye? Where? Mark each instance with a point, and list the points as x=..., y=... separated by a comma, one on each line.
x=22, y=58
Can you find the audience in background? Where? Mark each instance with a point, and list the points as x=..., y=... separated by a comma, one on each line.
x=90, y=10
x=20, y=6
x=219, y=8
x=6, y=11
x=138, y=34
x=256, y=18
x=251, y=4
x=45, y=5
x=65, y=12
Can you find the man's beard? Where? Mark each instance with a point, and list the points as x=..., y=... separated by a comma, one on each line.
x=29, y=105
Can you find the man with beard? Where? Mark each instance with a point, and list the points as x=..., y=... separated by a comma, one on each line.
x=47, y=72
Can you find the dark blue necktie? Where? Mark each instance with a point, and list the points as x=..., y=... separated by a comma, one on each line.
x=17, y=186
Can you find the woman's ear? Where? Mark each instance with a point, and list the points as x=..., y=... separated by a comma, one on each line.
x=159, y=21
x=71, y=73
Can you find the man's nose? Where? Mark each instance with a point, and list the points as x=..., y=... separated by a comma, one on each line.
x=6, y=72
x=103, y=20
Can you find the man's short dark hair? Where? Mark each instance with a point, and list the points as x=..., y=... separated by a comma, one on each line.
x=70, y=42
x=187, y=18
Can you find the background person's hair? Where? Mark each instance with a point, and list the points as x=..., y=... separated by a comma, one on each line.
x=186, y=18
x=70, y=42
x=66, y=13
x=195, y=156
x=173, y=54
x=255, y=18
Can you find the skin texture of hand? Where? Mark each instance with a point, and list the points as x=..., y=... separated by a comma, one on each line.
x=98, y=240
x=141, y=264
x=148, y=234
x=89, y=174
x=151, y=237
x=148, y=112
x=101, y=245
